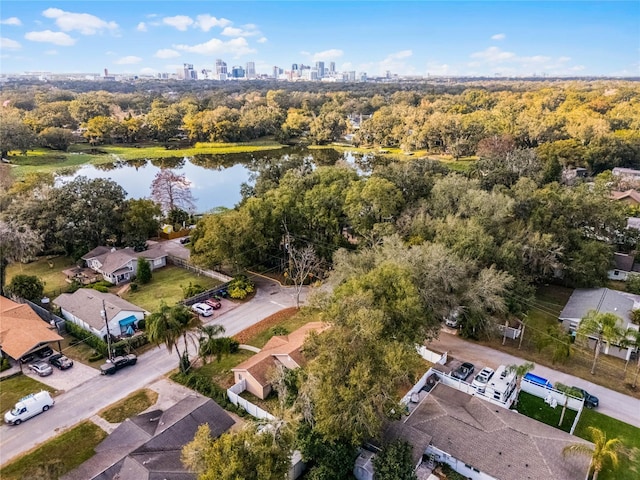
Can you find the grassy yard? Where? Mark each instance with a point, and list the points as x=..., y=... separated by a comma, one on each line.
x=220, y=372
x=630, y=465
x=14, y=388
x=166, y=286
x=132, y=405
x=260, y=333
x=57, y=456
x=535, y=407
x=49, y=270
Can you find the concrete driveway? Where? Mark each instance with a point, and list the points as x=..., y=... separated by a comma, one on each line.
x=65, y=380
x=613, y=404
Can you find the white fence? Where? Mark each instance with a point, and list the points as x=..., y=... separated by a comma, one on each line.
x=431, y=356
x=573, y=403
x=180, y=262
x=234, y=397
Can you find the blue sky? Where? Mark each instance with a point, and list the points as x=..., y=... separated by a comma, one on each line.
x=407, y=38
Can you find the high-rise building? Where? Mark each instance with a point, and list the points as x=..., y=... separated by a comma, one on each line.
x=332, y=67
x=352, y=76
x=320, y=69
x=250, y=70
x=237, y=72
x=276, y=72
x=221, y=67
x=187, y=72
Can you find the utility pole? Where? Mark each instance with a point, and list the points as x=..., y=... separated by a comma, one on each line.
x=103, y=313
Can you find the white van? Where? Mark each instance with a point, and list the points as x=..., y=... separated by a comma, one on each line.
x=28, y=407
x=202, y=309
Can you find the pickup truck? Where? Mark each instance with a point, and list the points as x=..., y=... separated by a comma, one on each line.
x=117, y=363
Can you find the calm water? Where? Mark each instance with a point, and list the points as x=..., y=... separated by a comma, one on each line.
x=216, y=180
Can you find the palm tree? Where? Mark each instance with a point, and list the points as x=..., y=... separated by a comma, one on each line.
x=602, y=451
x=520, y=371
x=604, y=328
x=567, y=391
x=211, y=344
x=167, y=325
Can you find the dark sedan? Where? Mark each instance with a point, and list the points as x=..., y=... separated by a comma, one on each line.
x=60, y=361
x=117, y=363
x=463, y=371
x=590, y=401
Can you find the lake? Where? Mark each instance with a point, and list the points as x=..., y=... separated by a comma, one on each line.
x=216, y=180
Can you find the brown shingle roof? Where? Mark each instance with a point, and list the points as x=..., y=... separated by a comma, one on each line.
x=21, y=329
x=495, y=440
x=628, y=195
x=261, y=362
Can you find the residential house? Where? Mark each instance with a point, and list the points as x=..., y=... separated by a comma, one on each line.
x=602, y=300
x=623, y=265
x=630, y=197
x=22, y=331
x=87, y=308
x=626, y=173
x=117, y=266
x=571, y=175
x=285, y=350
x=149, y=445
x=482, y=442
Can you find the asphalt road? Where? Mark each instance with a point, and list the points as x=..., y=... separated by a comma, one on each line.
x=613, y=404
x=85, y=400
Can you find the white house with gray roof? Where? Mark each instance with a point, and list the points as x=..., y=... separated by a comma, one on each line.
x=117, y=266
x=84, y=307
x=601, y=300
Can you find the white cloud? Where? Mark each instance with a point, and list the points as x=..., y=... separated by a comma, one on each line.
x=498, y=36
x=8, y=44
x=15, y=21
x=327, y=55
x=174, y=66
x=494, y=55
x=206, y=22
x=395, y=63
x=166, y=53
x=142, y=27
x=240, y=32
x=84, y=23
x=148, y=71
x=47, y=36
x=181, y=22
x=262, y=40
x=237, y=47
x=399, y=55
x=128, y=60
x=51, y=52
x=436, y=68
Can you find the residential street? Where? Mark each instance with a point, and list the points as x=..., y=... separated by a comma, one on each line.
x=614, y=404
x=83, y=401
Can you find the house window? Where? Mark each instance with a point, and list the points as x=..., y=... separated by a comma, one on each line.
x=616, y=272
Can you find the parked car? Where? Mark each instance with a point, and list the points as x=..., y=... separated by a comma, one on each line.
x=463, y=371
x=44, y=352
x=28, y=407
x=482, y=378
x=453, y=319
x=213, y=303
x=117, y=363
x=202, y=309
x=60, y=361
x=41, y=368
x=590, y=401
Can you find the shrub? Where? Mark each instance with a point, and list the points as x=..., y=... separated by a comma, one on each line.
x=144, y=271
x=192, y=290
x=87, y=337
x=234, y=345
x=240, y=287
x=100, y=288
x=142, y=324
x=279, y=330
x=4, y=364
x=96, y=356
x=127, y=345
x=133, y=286
x=633, y=283
x=28, y=287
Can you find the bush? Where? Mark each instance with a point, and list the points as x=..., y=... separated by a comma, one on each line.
x=279, y=330
x=28, y=287
x=234, y=345
x=127, y=345
x=133, y=286
x=144, y=271
x=4, y=364
x=633, y=283
x=100, y=288
x=142, y=324
x=87, y=337
x=240, y=287
x=96, y=356
x=192, y=290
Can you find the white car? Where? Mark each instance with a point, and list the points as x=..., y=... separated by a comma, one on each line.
x=482, y=378
x=202, y=309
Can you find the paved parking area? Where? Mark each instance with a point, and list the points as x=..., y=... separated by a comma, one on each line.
x=65, y=380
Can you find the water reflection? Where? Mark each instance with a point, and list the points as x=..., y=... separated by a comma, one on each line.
x=222, y=180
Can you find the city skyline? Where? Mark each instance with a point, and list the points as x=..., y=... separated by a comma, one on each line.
x=584, y=38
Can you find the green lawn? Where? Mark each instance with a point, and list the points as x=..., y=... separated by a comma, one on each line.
x=534, y=407
x=629, y=466
x=57, y=456
x=166, y=286
x=290, y=320
x=49, y=270
x=132, y=405
x=14, y=388
x=41, y=160
x=220, y=371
